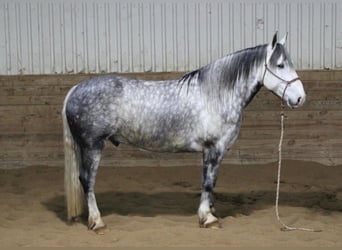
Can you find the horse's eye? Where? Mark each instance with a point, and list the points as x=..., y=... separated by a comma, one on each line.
x=281, y=66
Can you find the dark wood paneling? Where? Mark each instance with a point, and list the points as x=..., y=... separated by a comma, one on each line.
x=31, y=130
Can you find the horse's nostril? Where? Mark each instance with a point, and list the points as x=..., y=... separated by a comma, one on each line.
x=299, y=99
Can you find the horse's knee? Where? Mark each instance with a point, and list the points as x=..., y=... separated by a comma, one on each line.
x=209, y=184
x=208, y=187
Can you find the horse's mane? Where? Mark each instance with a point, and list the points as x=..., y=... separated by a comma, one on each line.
x=224, y=73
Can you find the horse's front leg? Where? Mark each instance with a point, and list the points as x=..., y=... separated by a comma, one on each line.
x=212, y=158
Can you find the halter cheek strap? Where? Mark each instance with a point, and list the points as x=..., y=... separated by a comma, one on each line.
x=282, y=79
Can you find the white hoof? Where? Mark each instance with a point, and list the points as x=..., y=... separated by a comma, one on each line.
x=210, y=221
x=97, y=225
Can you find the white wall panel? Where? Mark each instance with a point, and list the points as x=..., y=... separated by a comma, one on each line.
x=72, y=36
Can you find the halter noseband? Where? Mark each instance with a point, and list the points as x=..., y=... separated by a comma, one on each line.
x=281, y=79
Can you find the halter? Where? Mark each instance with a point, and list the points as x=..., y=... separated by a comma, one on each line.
x=281, y=79
x=282, y=116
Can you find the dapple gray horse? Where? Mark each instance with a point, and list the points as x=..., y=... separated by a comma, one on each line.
x=201, y=111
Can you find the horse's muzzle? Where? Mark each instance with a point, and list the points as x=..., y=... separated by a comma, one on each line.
x=296, y=102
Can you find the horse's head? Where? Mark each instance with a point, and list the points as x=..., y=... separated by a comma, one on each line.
x=280, y=76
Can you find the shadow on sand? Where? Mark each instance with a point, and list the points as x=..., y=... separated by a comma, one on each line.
x=186, y=203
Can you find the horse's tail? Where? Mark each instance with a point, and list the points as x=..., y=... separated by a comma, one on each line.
x=72, y=164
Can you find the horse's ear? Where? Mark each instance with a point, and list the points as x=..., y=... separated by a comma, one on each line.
x=275, y=39
x=282, y=41
x=271, y=47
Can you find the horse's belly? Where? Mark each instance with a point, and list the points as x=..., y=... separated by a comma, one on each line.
x=160, y=142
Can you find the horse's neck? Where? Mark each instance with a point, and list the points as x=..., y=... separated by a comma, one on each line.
x=245, y=89
x=252, y=87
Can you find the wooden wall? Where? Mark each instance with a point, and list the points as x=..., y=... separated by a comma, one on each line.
x=31, y=132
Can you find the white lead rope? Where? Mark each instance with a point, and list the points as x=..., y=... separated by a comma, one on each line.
x=285, y=227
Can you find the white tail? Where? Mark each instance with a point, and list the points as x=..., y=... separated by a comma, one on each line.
x=72, y=163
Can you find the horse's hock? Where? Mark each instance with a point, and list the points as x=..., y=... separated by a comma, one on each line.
x=31, y=125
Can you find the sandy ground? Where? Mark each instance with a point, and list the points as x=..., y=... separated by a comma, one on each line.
x=157, y=207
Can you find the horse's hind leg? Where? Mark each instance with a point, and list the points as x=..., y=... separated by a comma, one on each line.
x=90, y=162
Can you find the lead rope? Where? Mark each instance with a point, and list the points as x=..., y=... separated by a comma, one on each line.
x=285, y=227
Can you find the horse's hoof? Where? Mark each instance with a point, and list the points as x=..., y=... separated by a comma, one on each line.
x=101, y=230
x=211, y=222
x=212, y=225
x=97, y=226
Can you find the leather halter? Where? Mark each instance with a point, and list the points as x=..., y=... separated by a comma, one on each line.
x=282, y=79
